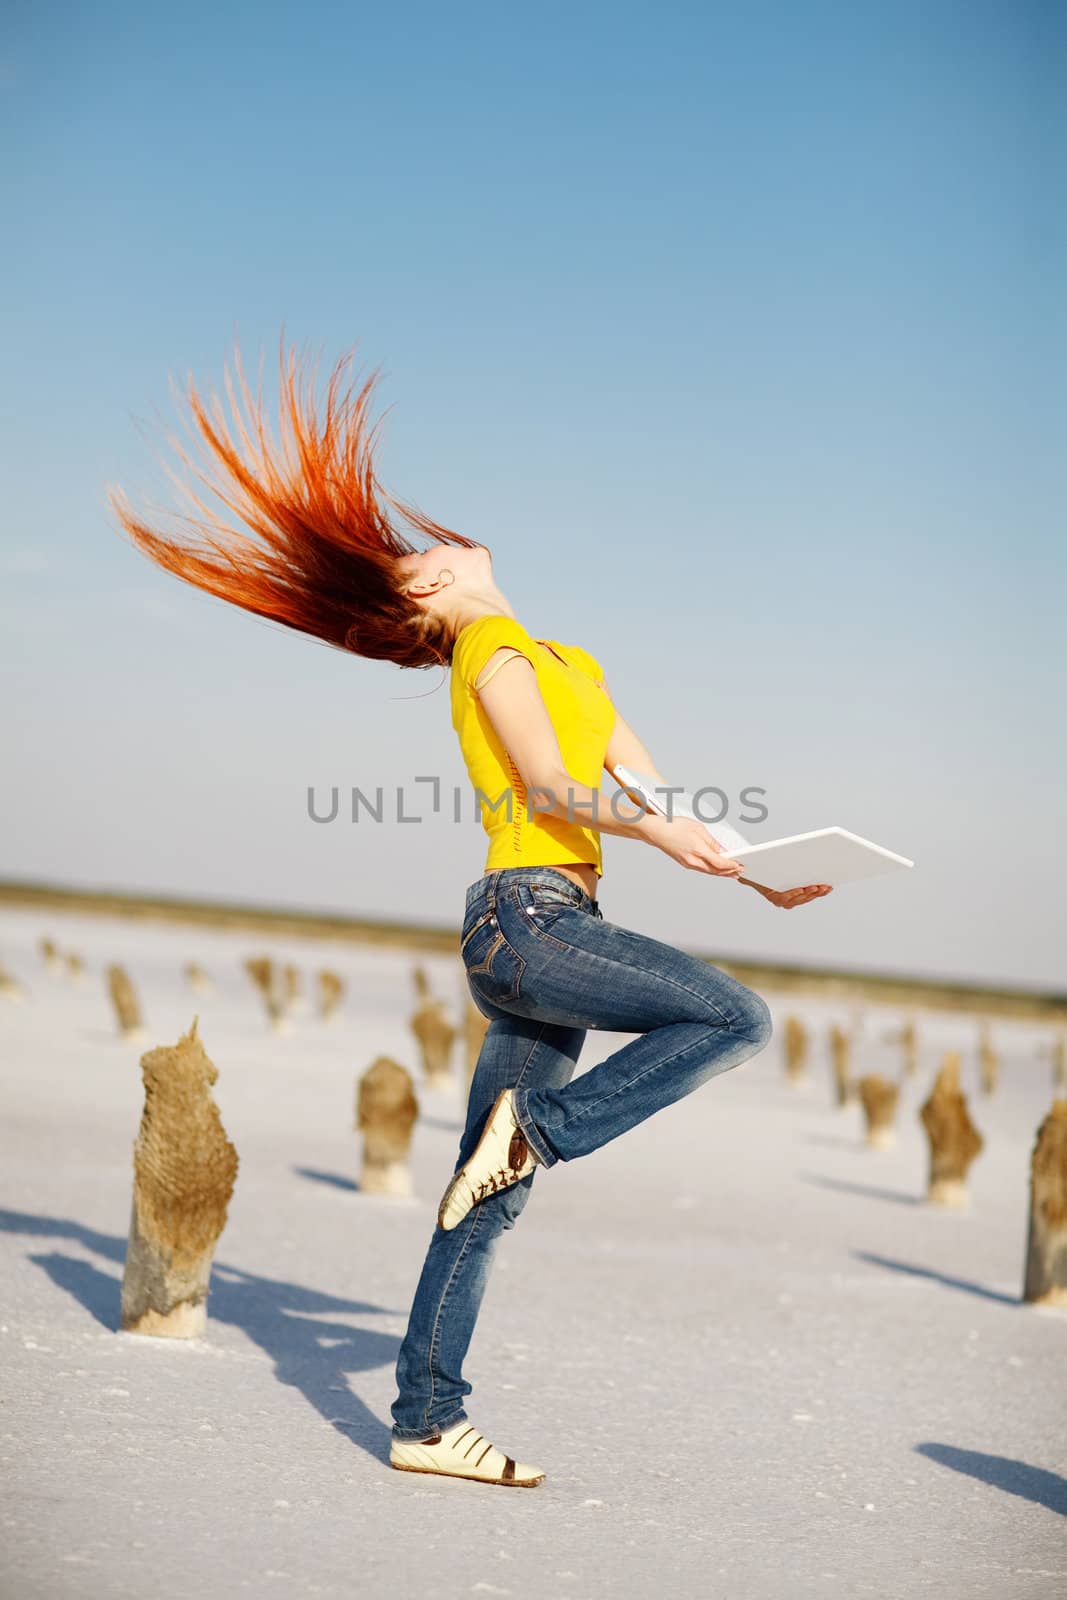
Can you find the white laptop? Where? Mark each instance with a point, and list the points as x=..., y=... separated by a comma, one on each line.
x=829, y=855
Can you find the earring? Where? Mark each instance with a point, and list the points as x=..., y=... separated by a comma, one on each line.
x=451, y=575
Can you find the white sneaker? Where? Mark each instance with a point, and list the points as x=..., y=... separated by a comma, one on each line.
x=501, y=1157
x=462, y=1452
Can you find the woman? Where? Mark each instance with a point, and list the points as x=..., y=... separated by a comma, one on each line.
x=537, y=726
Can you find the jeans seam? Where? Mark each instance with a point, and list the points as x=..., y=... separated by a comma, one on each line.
x=530, y=1055
x=465, y=940
x=434, y=1335
x=656, y=1065
x=475, y=1220
x=487, y=960
x=484, y=970
x=559, y=882
x=507, y=942
x=439, y=1427
x=632, y=966
x=530, y=923
x=538, y=1142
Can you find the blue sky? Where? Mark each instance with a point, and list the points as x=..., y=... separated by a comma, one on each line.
x=741, y=326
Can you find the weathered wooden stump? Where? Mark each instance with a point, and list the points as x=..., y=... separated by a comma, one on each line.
x=331, y=993
x=184, y=1168
x=436, y=1037
x=909, y=1044
x=795, y=1047
x=475, y=1026
x=954, y=1139
x=1059, y=1061
x=76, y=969
x=10, y=987
x=840, y=1061
x=53, y=961
x=879, y=1101
x=292, y=994
x=386, y=1112
x=264, y=975
x=124, y=999
x=261, y=971
x=197, y=978
x=988, y=1060
x=1045, y=1283
x=421, y=981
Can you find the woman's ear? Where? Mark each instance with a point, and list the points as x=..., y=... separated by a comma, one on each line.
x=426, y=586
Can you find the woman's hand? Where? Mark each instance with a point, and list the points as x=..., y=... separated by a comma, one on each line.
x=687, y=841
x=788, y=898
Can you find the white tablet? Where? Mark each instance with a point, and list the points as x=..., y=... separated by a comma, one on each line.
x=829, y=855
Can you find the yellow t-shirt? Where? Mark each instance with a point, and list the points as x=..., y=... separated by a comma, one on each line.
x=571, y=684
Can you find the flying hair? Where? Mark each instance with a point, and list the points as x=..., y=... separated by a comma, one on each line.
x=314, y=548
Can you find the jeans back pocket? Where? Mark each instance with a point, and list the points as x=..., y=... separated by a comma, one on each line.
x=494, y=970
x=479, y=917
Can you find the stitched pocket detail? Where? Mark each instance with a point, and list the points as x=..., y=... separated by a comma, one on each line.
x=487, y=960
x=540, y=908
x=497, y=976
x=548, y=895
x=486, y=916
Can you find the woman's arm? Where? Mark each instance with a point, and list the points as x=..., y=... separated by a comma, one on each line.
x=512, y=701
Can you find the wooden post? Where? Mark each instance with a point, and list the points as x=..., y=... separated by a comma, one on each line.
x=386, y=1111
x=954, y=1140
x=292, y=996
x=1059, y=1060
x=1046, y=1250
x=909, y=1040
x=840, y=1059
x=10, y=987
x=76, y=969
x=197, y=978
x=184, y=1169
x=52, y=959
x=124, y=999
x=436, y=1036
x=331, y=993
x=421, y=982
x=988, y=1061
x=262, y=971
x=795, y=1044
x=879, y=1101
x=475, y=1026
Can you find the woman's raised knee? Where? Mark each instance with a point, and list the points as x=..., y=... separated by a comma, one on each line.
x=756, y=1019
x=743, y=1011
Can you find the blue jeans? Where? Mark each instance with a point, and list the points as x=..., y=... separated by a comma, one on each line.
x=544, y=967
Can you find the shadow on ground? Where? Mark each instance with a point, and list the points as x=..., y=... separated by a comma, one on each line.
x=868, y=1190
x=284, y=1319
x=966, y=1285
x=1044, y=1488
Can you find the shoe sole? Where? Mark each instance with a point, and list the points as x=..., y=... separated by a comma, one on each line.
x=441, y=1209
x=505, y=1483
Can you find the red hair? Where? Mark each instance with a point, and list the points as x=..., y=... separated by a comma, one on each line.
x=325, y=563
